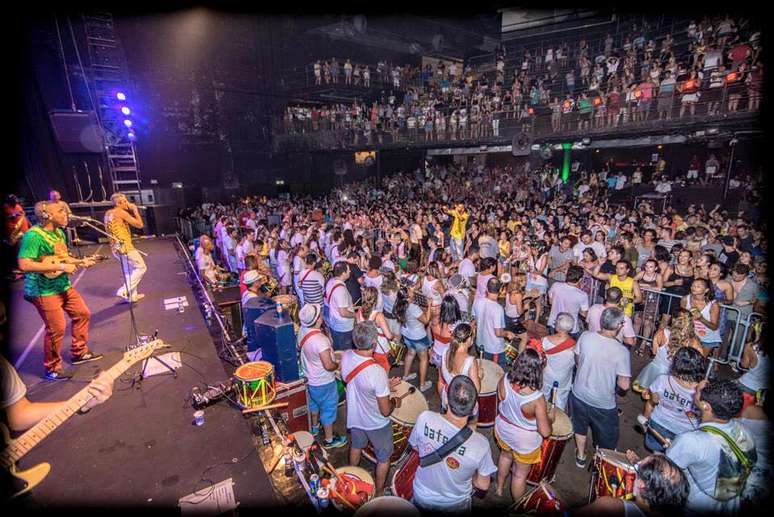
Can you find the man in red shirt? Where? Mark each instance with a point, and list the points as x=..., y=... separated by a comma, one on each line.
x=16, y=223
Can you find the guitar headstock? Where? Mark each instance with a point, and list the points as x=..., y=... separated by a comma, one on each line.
x=138, y=353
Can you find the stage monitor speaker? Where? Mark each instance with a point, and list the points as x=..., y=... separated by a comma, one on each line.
x=78, y=131
x=251, y=311
x=296, y=414
x=521, y=144
x=160, y=219
x=278, y=344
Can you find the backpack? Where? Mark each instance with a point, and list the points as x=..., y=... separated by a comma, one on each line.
x=737, y=458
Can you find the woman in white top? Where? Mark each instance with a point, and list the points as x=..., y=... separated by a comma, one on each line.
x=442, y=329
x=705, y=312
x=389, y=292
x=665, y=344
x=514, y=303
x=523, y=420
x=374, y=278
x=413, y=320
x=538, y=269
x=756, y=360
x=299, y=264
x=432, y=289
x=560, y=360
x=670, y=398
x=457, y=360
x=284, y=273
x=369, y=312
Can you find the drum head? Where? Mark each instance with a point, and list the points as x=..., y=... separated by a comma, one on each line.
x=387, y=506
x=411, y=405
x=253, y=371
x=304, y=439
x=614, y=458
x=493, y=372
x=562, y=426
x=356, y=472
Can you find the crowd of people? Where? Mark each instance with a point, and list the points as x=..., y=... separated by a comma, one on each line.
x=635, y=77
x=547, y=280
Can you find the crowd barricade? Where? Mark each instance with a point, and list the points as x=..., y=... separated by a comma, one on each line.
x=185, y=228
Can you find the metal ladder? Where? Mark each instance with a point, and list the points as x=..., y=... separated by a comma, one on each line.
x=108, y=74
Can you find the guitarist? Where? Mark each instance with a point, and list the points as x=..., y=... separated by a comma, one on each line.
x=53, y=297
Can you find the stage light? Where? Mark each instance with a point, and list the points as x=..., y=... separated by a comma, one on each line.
x=597, y=101
x=127, y=122
x=125, y=110
x=660, y=147
x=531, y=111
x=120, y=96
x=132, y=135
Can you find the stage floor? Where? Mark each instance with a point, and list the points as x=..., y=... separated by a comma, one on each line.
x=139, y=449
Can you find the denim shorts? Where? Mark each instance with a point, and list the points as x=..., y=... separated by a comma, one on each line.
x=341, y=340
x=381, y=441
x=325, y=401
x=651, y=443
x=417, y=345
x=603, y=422
x=710, y=345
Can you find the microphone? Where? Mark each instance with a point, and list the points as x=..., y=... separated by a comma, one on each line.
x=72, y=217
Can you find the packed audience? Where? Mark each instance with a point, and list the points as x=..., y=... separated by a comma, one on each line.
x=637, y=76
x=518, y=268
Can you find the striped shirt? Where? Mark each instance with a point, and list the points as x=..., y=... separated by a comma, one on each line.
x=312, y=286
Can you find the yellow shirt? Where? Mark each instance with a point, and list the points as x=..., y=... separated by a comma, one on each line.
x=627, y=288
x=458, y=225
x=119, y=229
x=505, y=248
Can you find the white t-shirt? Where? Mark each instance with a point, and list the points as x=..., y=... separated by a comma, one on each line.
x=489, y=316
x=362, y=392
x=448, y=482
x=336, y=298
x=577, y=250
x=481, y=281
x=467, y=269
x=601, y=360
x=594, y=322
x=413, y=328
x=559, y=366
x=673, y=402
x=311, y=363
x=567, y=298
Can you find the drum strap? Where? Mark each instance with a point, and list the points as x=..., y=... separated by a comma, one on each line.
x=328, y=298
x=305, y=275
x=306, y=338
x=447, y=448
x=561, y=347
x=362, y=366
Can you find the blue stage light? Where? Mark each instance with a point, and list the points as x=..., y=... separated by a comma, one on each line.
x=127, y=122
x=120, y=96
x=125, y=110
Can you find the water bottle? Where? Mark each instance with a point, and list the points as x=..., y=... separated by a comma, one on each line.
x=279, y=310
x=554, y=389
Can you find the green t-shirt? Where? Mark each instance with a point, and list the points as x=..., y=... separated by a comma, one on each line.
x=584, y=105
x=38, y=243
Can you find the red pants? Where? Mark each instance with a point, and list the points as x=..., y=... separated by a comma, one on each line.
x=52, y=309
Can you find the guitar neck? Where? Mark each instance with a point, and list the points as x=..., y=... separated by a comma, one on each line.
x=33, y=436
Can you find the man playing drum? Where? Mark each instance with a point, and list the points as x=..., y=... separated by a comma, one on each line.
x=445, y=484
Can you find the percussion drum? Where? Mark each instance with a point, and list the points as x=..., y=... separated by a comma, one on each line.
x=542, y=499
x=612, y=475
x=255, y=384
x=403, y=420
x=397, y=350
x=487, y=399
x=355, y=487
x=387, y=506
x=289, y=304
x=551, y=450
x=402, y=483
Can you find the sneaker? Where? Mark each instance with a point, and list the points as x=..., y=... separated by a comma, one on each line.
x=410, y=377
x=426, y=386
x=580, y=462
x=87, y=358
x=336, y=442
x=314, y=430
x=53, y=375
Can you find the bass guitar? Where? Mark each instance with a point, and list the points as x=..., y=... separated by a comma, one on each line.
x=22, y=481
x=53, y=260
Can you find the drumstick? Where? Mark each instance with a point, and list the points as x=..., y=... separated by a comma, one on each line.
x=274, y=464
x=261, y=408
x=644, y=422
x=410, y=391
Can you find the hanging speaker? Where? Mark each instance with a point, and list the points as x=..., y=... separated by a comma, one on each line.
x=360, y=23
x=77, y=131
x=438, y=42
x=521, y=144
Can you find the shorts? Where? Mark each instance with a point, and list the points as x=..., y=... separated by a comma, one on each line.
x=603, y=422
x=500, y=359
x=325, y=401
x=711, y=346
x=529, y=458
x=463, y=508
x=514, y=325
x=651, y=443
x=693, y=174
x=341, y=340
x=381, y=441
x=644, y=106
x=417, y=345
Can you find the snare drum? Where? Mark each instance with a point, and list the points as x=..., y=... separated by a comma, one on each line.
x=402, y=483
x=612, y=475
x=255, y=384
x=542, y=499
x=487, y=399
x=551, y=450
x=289, y=304
x=358, y=487
x=403, y=420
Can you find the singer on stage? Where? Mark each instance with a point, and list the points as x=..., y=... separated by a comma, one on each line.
x=44, y=251
x=117, y=222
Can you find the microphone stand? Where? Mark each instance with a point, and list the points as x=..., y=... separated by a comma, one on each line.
x=137, y=341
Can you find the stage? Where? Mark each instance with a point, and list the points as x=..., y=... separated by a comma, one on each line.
x=140, y=449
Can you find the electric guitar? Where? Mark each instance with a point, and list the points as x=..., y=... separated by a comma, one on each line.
x=14, y=449
x=53, y=260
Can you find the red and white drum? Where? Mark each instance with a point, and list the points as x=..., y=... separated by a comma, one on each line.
x=612, y=475
x=403, y=420
x=551, y=450
x=487, y=399
x=542, y=499
x=402, y=483
x=357, y=487
x=387, y=506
